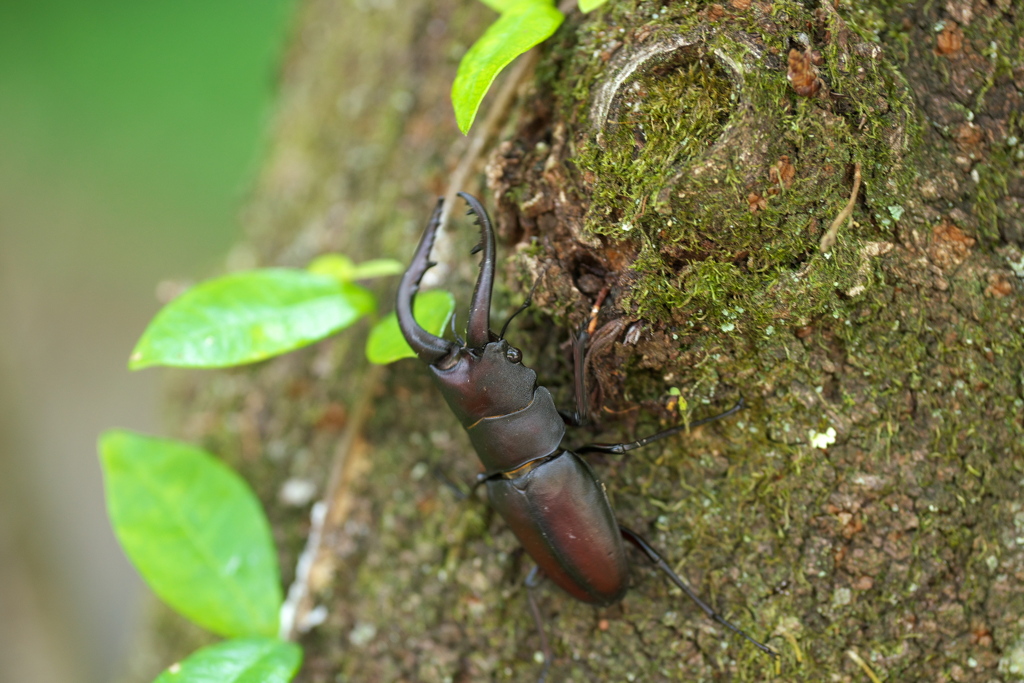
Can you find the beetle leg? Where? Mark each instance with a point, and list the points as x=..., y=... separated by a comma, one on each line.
x=533, y=580
x=654, y=557
x=579, y=362
x=447, y=482
x=624, y=447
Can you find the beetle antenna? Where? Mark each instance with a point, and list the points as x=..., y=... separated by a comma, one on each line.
x=526, y=304
x=455, y=334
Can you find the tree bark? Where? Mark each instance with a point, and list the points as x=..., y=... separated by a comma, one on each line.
x=864, y=511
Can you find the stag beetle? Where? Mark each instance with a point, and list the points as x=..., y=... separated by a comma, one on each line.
x=547, y=494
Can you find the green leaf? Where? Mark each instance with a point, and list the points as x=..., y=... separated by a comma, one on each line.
x=501, y=6
x=378, y=267
x=341, y=267
x=522, y=25
x=194, y=530
x=386, y=344
x=338, y=266
x=588, y=5
x=248, y=660
x=247, y=317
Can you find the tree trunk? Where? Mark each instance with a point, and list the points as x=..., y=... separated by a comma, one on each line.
x=864, y=511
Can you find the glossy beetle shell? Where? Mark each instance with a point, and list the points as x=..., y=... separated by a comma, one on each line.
x=560, y=513
x=550, y=497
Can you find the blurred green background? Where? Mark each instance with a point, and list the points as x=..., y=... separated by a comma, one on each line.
x=129, y=134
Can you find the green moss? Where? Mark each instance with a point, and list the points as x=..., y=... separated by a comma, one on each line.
x=662, y=174
x=667, y=117
x=1005, y=158
x=922, y=387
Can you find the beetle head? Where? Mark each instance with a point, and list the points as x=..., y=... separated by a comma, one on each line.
x=483, y=377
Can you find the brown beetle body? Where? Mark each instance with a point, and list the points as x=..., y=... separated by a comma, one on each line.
x=548, y=495
x=559, y=512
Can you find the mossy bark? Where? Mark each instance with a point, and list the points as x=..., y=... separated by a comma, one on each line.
x=864, y=511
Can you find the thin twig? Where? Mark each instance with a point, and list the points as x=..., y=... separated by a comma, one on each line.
x=329, y=513
x=828, y=240
x=481, y=137
x=596, y=308
x=488, y=128
x=299, y=590
x=498, y=111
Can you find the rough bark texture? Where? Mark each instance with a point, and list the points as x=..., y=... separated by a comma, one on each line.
x=688, y=156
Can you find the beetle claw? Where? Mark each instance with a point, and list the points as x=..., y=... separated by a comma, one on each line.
x=478, y=331
x=430, y=348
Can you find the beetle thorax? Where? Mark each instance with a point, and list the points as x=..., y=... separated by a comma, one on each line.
x=485, y=383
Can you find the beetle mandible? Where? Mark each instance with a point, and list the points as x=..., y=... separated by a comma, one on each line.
x=548, y=495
